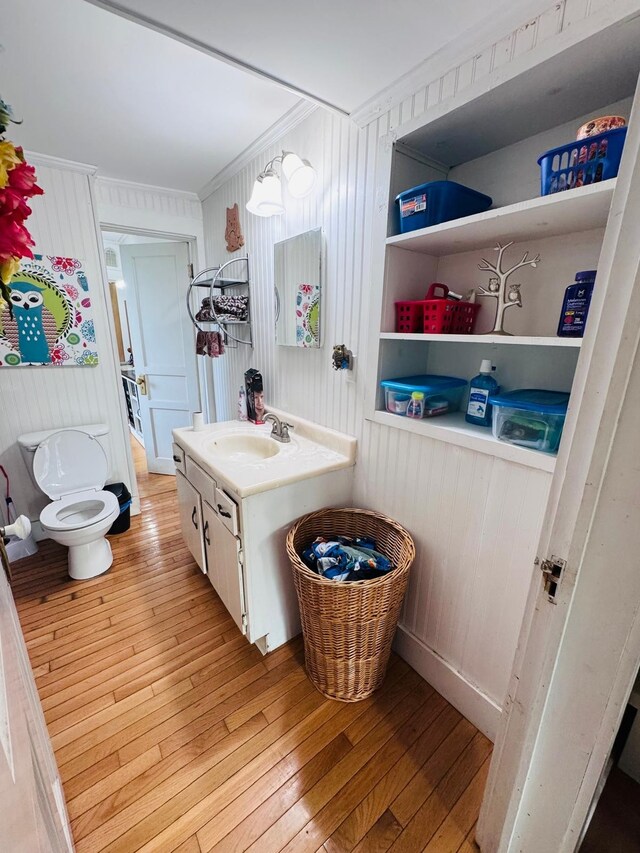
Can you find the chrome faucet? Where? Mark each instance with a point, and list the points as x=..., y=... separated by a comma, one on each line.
x=280, y=430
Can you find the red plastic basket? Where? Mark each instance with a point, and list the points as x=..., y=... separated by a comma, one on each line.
x=409, y=317
x=436, y=315
x=442, y=316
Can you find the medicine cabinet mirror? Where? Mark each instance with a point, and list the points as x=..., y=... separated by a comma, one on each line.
x=297, y=279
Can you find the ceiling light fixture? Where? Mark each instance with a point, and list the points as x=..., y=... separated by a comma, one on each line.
x=266, y=196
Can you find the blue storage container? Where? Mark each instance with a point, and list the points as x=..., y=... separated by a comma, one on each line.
x=530, y=418
x=438, y=201
x=585, y=161
x=442, y=393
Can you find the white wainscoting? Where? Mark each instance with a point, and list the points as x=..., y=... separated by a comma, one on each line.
x=35, y=398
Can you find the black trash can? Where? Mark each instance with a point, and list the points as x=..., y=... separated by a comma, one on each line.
x=123, y=521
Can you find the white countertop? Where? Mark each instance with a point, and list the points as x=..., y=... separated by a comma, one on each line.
x=313, y=450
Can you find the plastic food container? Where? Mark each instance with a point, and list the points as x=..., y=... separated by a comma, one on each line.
x=586, y=161
x=442, y=394
x=530, y=418
x=438, y=201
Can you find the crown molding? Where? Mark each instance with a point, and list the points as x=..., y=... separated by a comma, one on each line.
x=148, y=188
x=60, y=163
x=450, y=56
x=292, y=118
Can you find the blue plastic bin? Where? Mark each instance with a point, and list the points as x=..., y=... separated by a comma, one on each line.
x=530, y=418
x=585, y=161
x=438, y=201
x=443, y=394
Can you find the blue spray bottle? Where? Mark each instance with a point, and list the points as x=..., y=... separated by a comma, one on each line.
x=481, y=388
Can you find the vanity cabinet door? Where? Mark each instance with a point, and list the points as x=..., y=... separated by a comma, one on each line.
x=190, y=509
x=225, y=567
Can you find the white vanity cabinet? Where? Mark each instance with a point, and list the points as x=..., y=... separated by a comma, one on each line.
x=237, y=533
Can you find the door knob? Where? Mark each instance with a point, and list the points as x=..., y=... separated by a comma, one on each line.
x=141, y=382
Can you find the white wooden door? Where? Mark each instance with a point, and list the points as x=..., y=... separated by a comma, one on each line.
x=224, y=566
x=162, y=339
x=33, y=817
x=190, y=510
x=579, y=652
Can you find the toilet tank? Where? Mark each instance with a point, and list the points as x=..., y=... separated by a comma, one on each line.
x=30, y=440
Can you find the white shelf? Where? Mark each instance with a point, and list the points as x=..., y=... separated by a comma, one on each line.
x=512, y=340
x=580, y=209
x=454, y=429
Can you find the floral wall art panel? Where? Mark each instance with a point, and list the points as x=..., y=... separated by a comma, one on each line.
x=48, y=319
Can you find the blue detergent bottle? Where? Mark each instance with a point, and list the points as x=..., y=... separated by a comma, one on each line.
x=481, y=387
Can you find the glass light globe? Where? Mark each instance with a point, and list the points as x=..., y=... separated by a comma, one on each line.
x=270, y=204
x=300, y=175
x=257, y=195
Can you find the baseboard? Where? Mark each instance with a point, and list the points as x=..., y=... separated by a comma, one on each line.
x=478, y=708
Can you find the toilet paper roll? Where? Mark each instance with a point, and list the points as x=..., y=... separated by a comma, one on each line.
x=198, y=421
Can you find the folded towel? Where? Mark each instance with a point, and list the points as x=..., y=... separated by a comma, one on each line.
x=225, y=307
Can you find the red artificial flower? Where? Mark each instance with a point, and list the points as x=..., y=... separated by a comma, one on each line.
x=13, y=205
x=15, y=240
x=23, y=179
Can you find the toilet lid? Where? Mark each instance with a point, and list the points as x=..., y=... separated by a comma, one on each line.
x=69, y=461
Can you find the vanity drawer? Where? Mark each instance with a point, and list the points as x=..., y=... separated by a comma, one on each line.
x=202, y=481
x=227, y=509
x=178, y=457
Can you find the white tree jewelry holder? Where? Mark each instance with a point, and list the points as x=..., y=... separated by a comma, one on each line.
x=507, y=296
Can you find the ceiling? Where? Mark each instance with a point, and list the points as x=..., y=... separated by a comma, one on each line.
x=142, y=104
x=93, y=87
x=342, y=52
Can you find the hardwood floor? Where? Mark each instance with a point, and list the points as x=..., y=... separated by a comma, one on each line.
x=172, y=733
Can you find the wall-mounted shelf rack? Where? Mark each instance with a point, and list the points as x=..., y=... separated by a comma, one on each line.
x=214, y=279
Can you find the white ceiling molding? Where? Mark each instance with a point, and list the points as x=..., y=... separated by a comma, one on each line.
x=292, y=118
x=447, y=58
x=148, y=188
x=195, y=43
x=35, y=158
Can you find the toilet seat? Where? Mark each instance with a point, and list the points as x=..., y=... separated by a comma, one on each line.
x=70, y=462
x=79, y=511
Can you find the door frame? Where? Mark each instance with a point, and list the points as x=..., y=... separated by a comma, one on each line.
x=578, y=656
x=205, y=387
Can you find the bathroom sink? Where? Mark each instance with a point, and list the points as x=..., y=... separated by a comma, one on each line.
x=243, y=447
x=245, y=459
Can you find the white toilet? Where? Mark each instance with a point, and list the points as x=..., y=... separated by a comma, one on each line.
x=71, y=467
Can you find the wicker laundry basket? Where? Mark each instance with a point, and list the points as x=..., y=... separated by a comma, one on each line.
x=348, y=627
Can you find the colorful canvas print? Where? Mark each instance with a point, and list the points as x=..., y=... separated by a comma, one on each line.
x=52, y=322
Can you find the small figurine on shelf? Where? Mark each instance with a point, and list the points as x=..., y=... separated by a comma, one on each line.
x=507, y=295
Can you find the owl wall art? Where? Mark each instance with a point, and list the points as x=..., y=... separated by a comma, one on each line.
x=52, y=322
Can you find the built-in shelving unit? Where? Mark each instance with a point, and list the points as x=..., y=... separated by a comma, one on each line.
x=566, y=229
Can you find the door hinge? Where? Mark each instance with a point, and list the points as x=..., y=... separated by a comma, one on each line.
x=190, y=270
x=552, y=573
x=241, y=557
x=244, y=621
